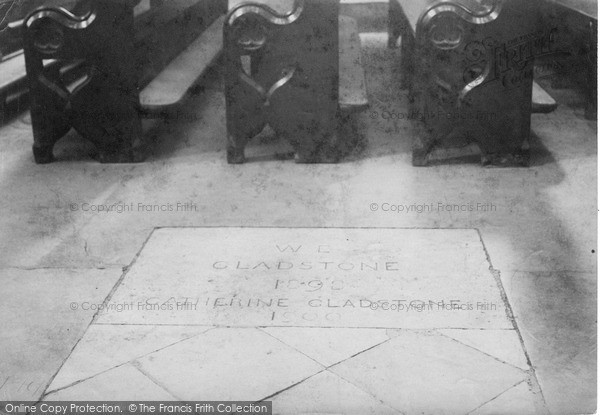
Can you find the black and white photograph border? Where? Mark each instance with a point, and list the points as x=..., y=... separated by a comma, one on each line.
x=298, y=207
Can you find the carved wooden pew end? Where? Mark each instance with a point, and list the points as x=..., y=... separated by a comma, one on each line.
x=468, y=68
x=109, y=43
x=299, y=73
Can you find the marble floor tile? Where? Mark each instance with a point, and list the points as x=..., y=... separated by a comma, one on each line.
x=228, y=364
x=328, y=346
x=425, y=372
x=124, y=383
x=515, y=401
x=504, y=345
x=104, y=347
x=43, y=314
x=326, y=393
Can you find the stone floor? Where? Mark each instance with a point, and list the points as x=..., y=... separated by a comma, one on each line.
x=537, y=249
x=363, y=318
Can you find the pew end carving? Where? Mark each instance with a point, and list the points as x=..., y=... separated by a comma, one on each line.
x=103, y=107
x=468, y=67
x=131, y=64
x=284, y=71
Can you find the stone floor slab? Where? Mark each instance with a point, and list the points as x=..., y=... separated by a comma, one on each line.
x=425, y=372
x=251, y=313
x=41, y=320
x=515, y=401
x=561, y=325
x=124, y=383
x=228, y=364
x=104, y=347
x=504, y=345
x=328, y=346
x=312, y=277
x=326, y=393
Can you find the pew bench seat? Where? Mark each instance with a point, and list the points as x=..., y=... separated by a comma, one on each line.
x=169, y=88
x=166, y=91
x=352, y=84
x=542, y=102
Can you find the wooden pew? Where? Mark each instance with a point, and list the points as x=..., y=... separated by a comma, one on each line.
x=468, y=67
x=138, y=62
x=11, y=11
x=13, y=81
x=297, y=69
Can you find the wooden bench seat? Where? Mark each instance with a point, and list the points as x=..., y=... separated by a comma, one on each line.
x=542, y=102
x=585, y=8
x=352, y=84
x=169, y=88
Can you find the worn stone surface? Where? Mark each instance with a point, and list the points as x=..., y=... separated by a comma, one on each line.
x=389, y=278
x=106, y=347
x=504, y=345
x=113, y=385
x=421, y=372
x=226, y=364
x=326, y=393
x=43, y=314
x=197, y=313
x=328, y=346
x=515, y=401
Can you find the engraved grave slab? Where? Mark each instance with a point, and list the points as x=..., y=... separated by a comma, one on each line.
x=311, y=277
